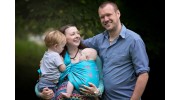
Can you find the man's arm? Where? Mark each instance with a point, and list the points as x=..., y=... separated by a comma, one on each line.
x=141, y=64
x=91, y=42
x=140, y=86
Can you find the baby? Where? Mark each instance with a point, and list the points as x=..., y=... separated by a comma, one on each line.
x=86, y=72
x=88, y=54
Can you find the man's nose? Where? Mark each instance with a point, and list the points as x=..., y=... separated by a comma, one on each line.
x=106, y=18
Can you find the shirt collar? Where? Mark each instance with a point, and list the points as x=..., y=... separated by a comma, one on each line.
x=122, y=34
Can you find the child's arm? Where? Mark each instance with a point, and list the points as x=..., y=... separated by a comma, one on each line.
x=62, y=67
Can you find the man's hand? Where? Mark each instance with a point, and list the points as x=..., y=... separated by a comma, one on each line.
x=92, y=89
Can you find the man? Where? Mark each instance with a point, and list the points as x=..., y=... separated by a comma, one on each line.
x=123, y=54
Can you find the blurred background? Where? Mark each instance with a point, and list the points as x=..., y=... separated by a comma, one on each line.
x=34, y=17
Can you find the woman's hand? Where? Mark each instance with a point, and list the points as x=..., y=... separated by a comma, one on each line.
x=92, y=89
x=47, y=93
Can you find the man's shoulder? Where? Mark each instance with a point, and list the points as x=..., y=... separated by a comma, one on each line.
x=132, y=35
x=101, y=34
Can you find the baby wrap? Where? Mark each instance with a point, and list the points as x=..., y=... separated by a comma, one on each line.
x=80, y=73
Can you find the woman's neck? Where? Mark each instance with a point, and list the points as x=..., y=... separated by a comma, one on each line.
x=74, y=54
x=72, y=50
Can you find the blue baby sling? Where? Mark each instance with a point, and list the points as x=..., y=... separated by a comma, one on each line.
x=80, y=73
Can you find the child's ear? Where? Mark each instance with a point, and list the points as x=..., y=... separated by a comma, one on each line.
x=55, y=45
x=87, y=57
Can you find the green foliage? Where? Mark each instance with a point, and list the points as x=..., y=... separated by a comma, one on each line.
x=28, y=54
x=37, y=16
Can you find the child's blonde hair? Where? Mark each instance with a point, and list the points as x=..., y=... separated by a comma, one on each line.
x=54, y=37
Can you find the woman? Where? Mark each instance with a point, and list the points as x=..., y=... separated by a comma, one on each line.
x=72, y=50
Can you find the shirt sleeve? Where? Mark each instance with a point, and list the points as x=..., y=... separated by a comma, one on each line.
x=139, y=56
x=36, y=90
x=58, y=61
x=91, y=42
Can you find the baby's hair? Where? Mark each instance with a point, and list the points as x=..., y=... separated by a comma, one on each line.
x=90, y=53
x=54, y=37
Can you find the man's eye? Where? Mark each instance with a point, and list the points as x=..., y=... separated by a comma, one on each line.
x=102, y=17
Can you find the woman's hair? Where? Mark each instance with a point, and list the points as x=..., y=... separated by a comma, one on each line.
x=63, y=29
x=54, y=37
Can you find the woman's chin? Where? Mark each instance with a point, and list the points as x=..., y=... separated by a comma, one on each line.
x=76, y=44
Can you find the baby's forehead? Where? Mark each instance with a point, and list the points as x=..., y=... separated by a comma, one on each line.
x=84, y=52
x=87, y=50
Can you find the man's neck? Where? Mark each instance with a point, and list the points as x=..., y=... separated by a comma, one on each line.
x=115, y=33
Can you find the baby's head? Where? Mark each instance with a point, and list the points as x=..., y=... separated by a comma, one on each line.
x=88, y=54
x=55, y=40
